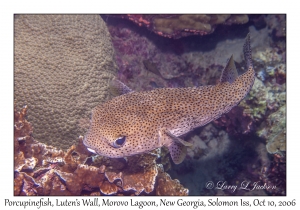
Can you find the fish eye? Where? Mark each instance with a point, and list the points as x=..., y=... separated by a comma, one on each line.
x=119, y=142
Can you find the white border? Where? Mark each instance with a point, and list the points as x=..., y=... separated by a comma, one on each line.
x=153, y=6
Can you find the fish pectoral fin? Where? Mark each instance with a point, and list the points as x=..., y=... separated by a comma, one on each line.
x=229, y=73
x=177, y=151
x=177, y=139
x=117, y=88
x=176, y=146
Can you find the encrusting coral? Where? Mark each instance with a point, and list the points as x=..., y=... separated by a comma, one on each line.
x=274, y=131
x=167, y=186
x=176, y=26
x=45, y=170
x=277, y=22
x=275, y=175
x=63, y=64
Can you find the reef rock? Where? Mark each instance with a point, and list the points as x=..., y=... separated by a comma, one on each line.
x=277, y=23
x=176, y=26
x=63, y=64
x=274, y=131
x=208, y=144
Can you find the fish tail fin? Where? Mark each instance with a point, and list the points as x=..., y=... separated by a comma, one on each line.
x=247, y=52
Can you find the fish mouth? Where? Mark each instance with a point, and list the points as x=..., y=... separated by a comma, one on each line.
x=91, y=150
x=88, y=147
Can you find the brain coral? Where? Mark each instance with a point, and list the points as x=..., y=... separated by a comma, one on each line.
x=63, y=64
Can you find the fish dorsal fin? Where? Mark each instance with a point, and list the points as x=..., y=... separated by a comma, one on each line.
x=117, y=88
x=177, y=151
x=229, y=73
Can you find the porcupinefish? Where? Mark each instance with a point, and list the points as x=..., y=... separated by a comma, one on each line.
x=138, y=122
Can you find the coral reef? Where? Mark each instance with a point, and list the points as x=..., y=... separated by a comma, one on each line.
x=167, y=186
x=263, y=98
x=208, y=144
x=268, y=93
x=246, y=144
x=261, y=101
x=273, y=130
x=177, y=26
x=22, y=127
x=147, y=61
x=45, y=170
x=236, y=122
x=275, y=175
x=63, y=64
x=277, y=23
x=223, y=159
x=233, y=162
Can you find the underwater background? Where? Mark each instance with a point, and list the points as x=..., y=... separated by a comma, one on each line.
x=63, y=65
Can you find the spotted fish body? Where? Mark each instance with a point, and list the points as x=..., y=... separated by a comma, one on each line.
x=138, y=122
